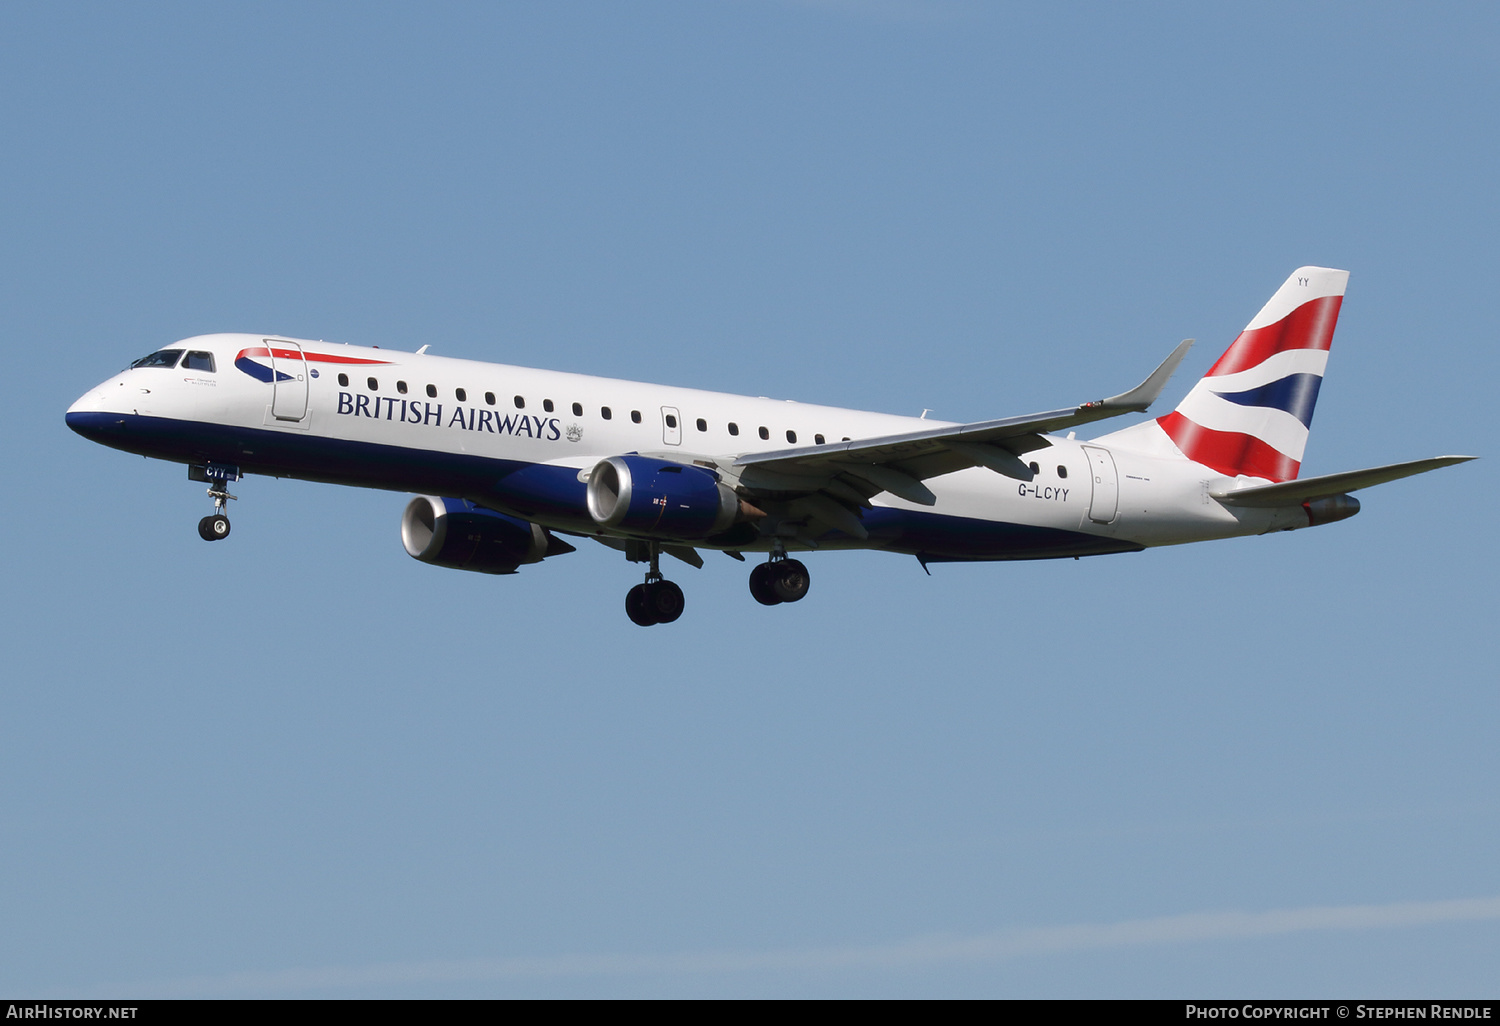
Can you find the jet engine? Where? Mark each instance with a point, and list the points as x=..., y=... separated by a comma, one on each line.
x=659, y=499
x=462, y=536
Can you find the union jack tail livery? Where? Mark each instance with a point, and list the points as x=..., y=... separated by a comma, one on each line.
x=1249, y=416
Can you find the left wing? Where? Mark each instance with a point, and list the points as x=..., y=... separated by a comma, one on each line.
x=855, y=471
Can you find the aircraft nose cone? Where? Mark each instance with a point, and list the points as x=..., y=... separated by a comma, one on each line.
x=94, y=425
x=91, y=416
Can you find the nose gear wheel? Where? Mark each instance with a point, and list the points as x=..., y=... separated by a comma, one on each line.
x=215, y=527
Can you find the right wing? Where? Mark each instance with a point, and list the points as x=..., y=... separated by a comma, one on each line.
x=857, y=470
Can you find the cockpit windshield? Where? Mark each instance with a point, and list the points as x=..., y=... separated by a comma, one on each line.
x=160, y=358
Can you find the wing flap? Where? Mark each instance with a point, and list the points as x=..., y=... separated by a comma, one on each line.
x=889, y=479
x=994, y=457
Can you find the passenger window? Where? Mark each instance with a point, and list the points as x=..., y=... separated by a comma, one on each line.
x=1035, y=469
x=343, y=381
x=401, y=387
x=520, y=403
x=374, y=385
x=702, y=424
x=199, y=362
x=461, y=395
x=1062, y=471
x=734, y=428
x=791, y=436
x=671, y=421
x=489, y=398
x=161, y=358
x=432, y=391
x=846, y=438
x=578, y=409
x=817, y=439
x=547, y=405
x=635, y=416
x=604, y=412
x=765, y=433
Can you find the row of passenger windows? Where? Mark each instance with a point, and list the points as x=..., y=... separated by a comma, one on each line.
x=605, y=412
x=202, y=361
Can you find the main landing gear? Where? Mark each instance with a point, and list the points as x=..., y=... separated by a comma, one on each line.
x=779, y=579
x=658, y=600
x=218, y=476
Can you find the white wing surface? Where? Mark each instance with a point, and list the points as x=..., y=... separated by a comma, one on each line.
x=854, y=471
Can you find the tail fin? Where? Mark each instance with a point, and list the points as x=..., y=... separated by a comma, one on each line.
x=1251, y=413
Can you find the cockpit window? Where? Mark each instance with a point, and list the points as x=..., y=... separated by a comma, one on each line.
x=199, y=362
x=160, y=358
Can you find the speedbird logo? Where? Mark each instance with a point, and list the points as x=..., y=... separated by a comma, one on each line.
x=248, y=361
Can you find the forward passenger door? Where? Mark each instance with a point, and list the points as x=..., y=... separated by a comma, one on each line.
x=289, y=396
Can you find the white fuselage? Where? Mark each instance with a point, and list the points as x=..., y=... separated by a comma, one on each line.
x=416, y=422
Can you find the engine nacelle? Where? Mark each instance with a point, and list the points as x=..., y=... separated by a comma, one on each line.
x=1330, y=508
x=462, y=536
x=659, y=499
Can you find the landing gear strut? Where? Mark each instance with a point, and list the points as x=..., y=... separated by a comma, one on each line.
x=779, y=579
x=218, y=476
x=657, y=600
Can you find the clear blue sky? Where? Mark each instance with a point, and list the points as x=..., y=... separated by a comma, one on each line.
x=301, y=763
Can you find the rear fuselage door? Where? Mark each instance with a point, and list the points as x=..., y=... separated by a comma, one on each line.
x=671, y=425
x=1106, y=501
x=289, y=377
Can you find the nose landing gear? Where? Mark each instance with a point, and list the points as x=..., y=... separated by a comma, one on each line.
x=658, y=600
x=218, y=476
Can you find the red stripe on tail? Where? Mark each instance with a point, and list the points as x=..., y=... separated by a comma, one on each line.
x=1229, y=452
x=1310, y=326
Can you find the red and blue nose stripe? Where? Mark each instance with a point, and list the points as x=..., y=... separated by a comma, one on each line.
x=246, y=361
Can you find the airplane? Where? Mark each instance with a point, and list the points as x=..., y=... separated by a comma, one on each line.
x=508, y=462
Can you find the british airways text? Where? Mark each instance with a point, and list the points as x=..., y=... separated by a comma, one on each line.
x=412, y=411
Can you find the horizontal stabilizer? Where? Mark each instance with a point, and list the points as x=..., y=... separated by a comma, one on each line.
x=1291, y=493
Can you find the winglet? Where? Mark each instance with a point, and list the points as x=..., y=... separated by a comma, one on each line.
x=1143, y=395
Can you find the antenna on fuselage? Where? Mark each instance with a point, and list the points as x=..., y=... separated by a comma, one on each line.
x=423, y=349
